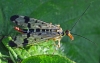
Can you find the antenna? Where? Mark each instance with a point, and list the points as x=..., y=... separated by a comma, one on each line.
x=80, y=17
x=85, y=38
x=69, y=34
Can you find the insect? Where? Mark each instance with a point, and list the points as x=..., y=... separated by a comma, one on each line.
x=37, y=31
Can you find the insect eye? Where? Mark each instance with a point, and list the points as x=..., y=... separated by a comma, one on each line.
x=67, y=31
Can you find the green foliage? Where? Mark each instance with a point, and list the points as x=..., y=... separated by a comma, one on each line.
x=63, y=12
x=18, y=54
x=47, y=59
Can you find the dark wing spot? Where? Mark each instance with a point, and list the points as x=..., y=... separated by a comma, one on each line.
x=43, y=30
x=60, y=33
x=41, y=38
x=31, y=30
x=14, y=17
x=47, y=29
x=36, y=21
x=37, y=30
x=28, y=35
x=39, y=33
x=29, y=25
x=50, y=30
x=25, y=42
x=12, y=44
x=27, y=19
x=43, y=23
x=40, y=26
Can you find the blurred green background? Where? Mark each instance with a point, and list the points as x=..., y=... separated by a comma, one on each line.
x=65, y=13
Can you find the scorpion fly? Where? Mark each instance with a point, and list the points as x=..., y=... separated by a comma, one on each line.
x=37, y=31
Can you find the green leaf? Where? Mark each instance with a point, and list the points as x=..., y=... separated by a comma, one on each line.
x=65, y=13
x=47, y=59
x=18, y=54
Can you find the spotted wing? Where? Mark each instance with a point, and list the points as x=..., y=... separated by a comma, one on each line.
x=27, y=22
x=33, y=38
